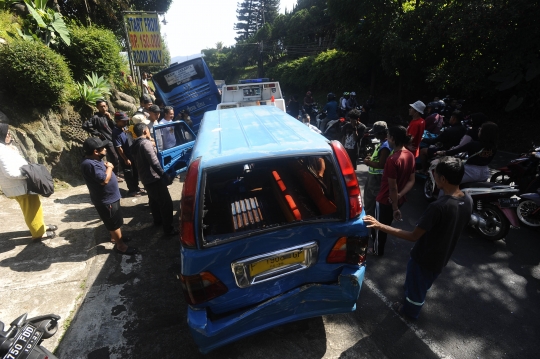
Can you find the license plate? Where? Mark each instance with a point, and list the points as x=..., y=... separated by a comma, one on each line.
x=508, y=202
x=27, y=339
x=275, y=262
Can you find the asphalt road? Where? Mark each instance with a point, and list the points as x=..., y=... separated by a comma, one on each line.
x=484, y=305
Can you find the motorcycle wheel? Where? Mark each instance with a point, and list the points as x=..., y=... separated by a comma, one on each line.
x=524, y=211
x=497, y=225
x=500, y=177
x=428, y=190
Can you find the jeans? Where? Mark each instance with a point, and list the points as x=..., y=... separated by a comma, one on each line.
x=417, y=283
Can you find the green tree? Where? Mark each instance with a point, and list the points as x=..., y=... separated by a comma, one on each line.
x=252, y=15
x=108, y=13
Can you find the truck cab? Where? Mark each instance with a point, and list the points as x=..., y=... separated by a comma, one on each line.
x=252, y=92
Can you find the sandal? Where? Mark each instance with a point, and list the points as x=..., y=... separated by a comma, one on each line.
x=52, y=227
x=47, y=235
x=129, y=251
x=142, y=191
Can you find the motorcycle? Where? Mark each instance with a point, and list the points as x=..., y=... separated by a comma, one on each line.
x=520, y=172
x=493, y=206
x=24, y=337
x=312, y=110
x=528, y=210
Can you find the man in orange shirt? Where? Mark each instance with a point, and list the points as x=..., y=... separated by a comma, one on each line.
x=416, y=126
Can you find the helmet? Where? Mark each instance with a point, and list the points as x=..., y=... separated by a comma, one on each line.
x=353, y=93
x=345, y=93
x=330, y=96
x=308, y=93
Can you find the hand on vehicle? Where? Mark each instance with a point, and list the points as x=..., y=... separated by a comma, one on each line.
x=372, y=222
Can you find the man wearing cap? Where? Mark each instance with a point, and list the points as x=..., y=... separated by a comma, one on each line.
x=122, y=143
x=416, y=126
x=376, y=164
x=154, y=179
x=101, y=125
x=145, y=103
x=104, y=192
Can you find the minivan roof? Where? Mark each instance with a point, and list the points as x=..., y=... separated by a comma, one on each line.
x=253, y=133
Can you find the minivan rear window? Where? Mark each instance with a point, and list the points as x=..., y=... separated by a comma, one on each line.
x=240, y=199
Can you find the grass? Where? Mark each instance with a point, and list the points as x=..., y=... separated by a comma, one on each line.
x=69, y=318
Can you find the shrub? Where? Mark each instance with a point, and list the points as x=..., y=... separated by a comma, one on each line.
x=93, y=49
x=8, y=25
x=31, y=73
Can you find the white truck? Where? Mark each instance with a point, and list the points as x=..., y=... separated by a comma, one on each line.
x=252, y=92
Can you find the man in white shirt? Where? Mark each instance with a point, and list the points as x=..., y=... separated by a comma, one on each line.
x=167, y=134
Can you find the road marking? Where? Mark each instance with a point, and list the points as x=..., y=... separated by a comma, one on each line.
x=422, y=335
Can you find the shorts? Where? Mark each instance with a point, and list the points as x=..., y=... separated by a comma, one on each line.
x=111, y=215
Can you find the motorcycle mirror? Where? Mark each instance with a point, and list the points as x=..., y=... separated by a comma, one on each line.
x=19, y=321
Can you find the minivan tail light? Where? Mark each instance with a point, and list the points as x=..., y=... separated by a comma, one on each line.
x=200, y=288
x=347, y=170
x=187, y=206
x=351, y=250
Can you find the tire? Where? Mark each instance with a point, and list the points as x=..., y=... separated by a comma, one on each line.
x=500, y=177
x=524, y=210
x=497, y=225
x=428, y=190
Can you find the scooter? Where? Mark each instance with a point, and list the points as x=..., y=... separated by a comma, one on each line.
x=520, y=172
x=24, y=337
x=528, y=210
x=494, y=209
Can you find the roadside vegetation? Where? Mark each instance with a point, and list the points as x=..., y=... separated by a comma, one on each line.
x=482, y=51
x=55, y=54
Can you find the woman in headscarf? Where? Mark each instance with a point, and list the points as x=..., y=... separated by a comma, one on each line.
x=13, y=184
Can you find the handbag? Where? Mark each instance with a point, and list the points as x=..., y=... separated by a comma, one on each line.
x=38, y=179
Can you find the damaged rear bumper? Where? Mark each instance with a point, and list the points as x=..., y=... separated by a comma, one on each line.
x=310, y=300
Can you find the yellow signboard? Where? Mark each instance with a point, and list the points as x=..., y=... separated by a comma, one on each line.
x=144, y=39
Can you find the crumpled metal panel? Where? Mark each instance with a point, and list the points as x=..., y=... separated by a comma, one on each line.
x=307, y=301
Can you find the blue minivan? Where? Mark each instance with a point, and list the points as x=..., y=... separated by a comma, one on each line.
x=271, y=226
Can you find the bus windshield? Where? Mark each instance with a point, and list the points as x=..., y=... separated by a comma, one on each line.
x=188, y=86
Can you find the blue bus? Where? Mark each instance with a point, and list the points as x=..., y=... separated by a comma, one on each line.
x=188, y=86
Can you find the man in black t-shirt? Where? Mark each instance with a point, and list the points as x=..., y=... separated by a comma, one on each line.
x=101, y=125
x=104, y=193
x=435, y=234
